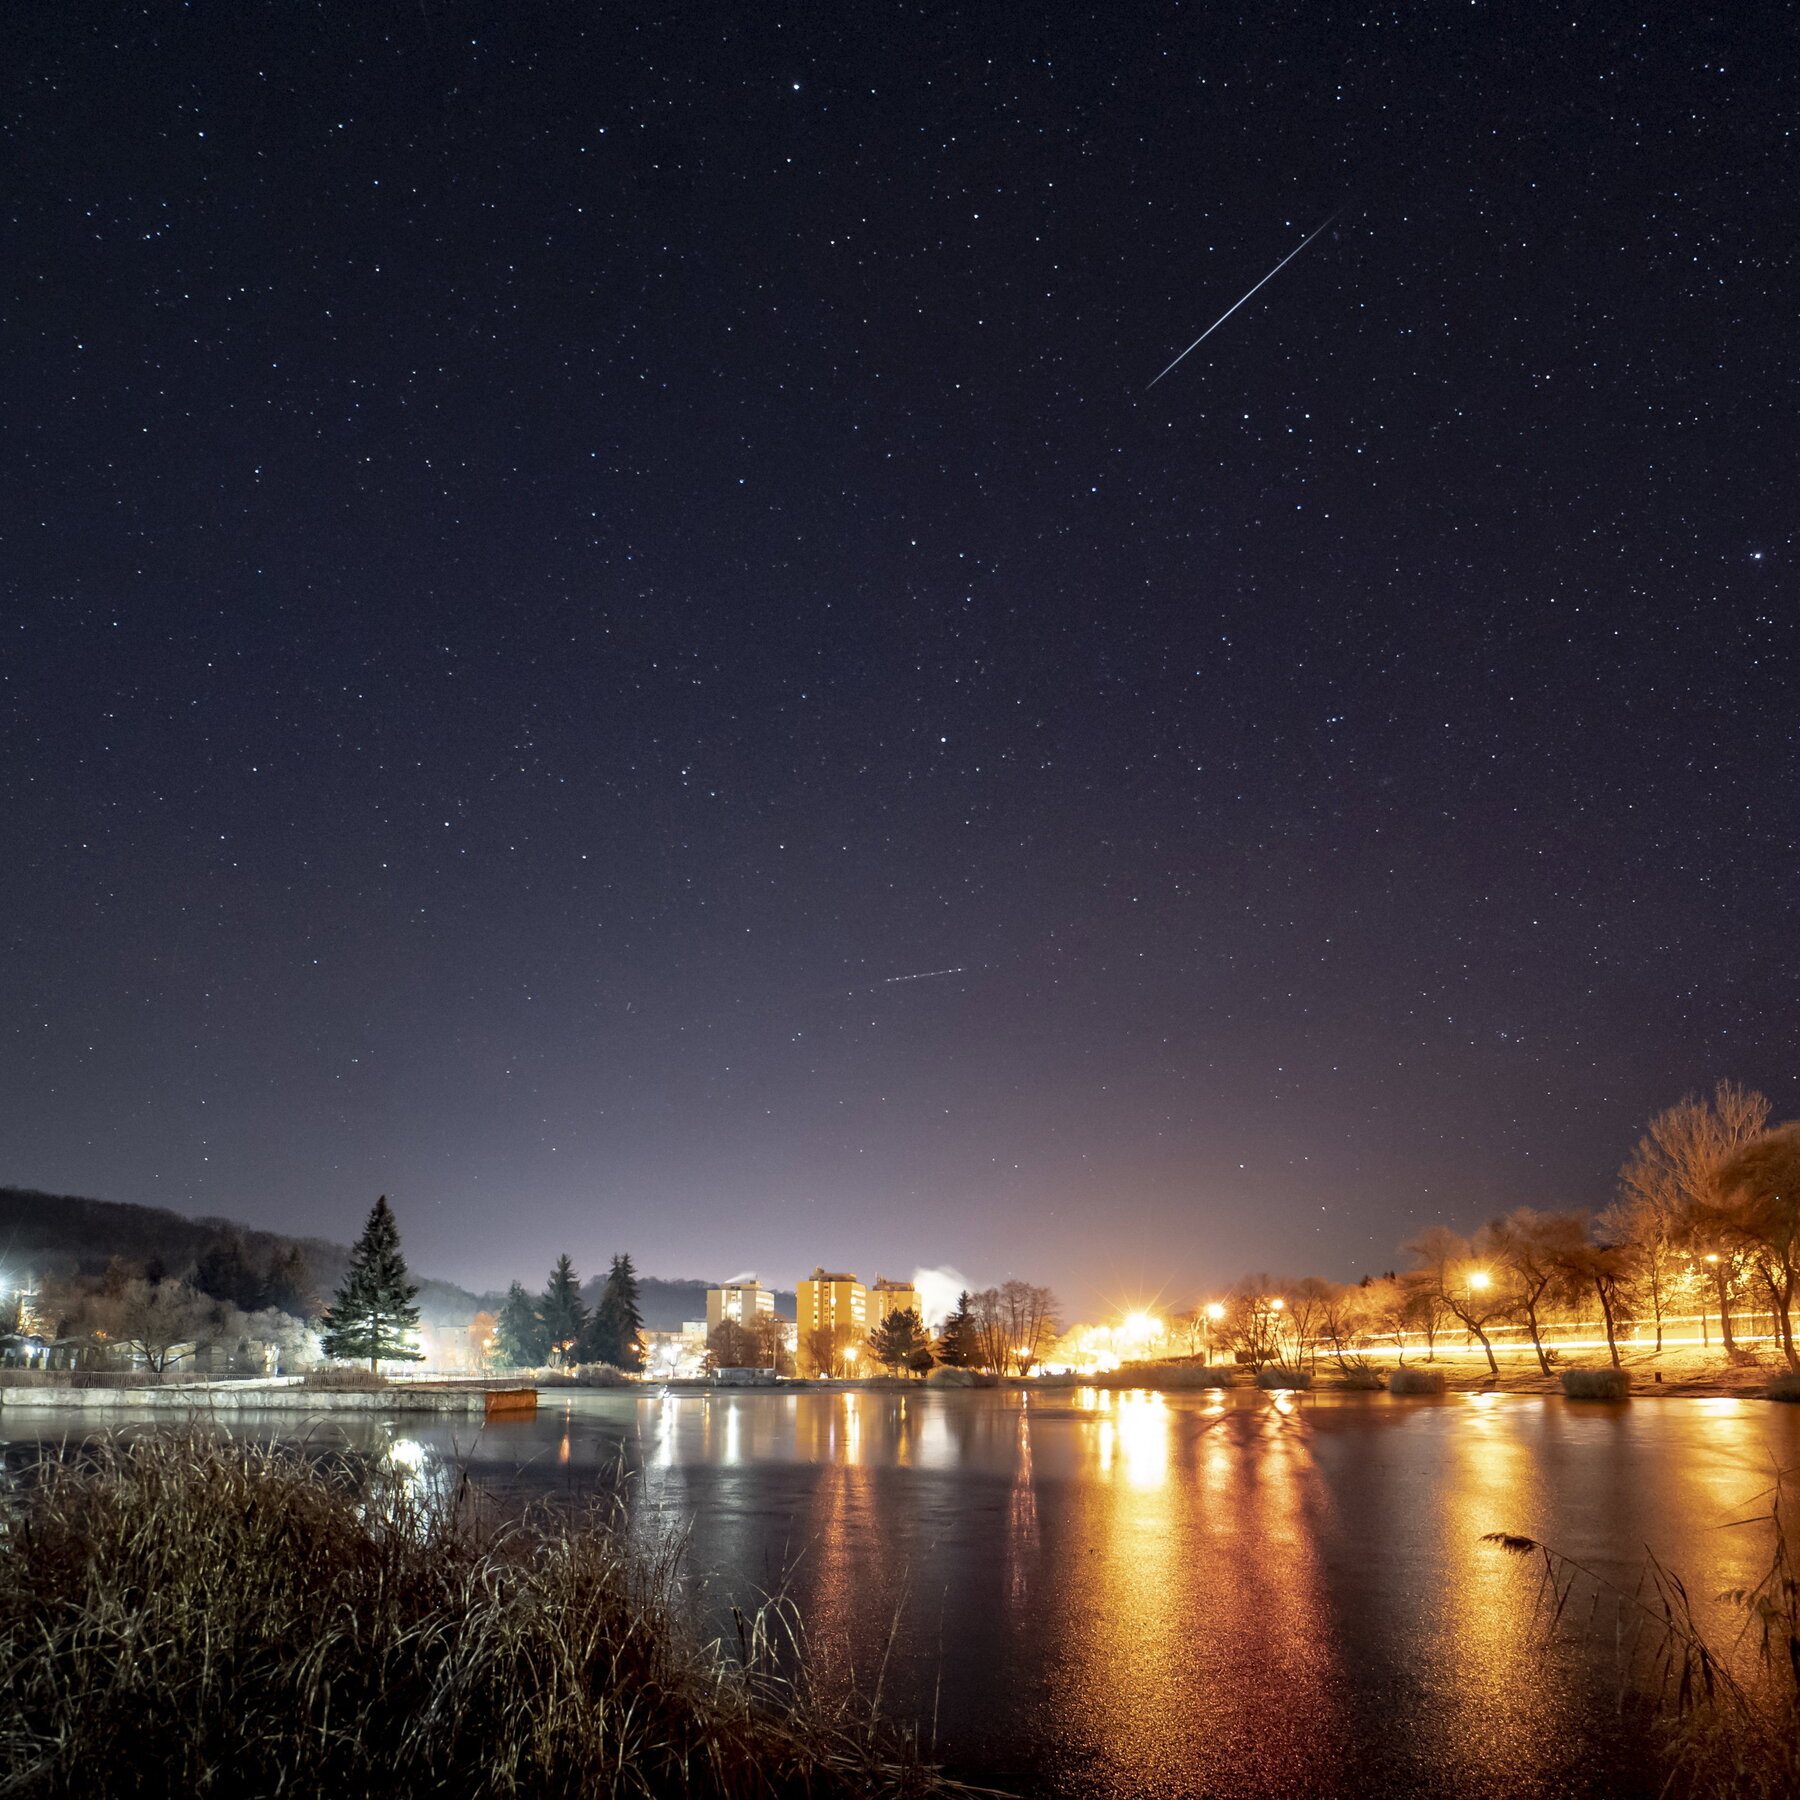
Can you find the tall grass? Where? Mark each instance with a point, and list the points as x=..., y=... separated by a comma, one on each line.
x=1727, y=1711
x=183, y=1614
x=344, y=1378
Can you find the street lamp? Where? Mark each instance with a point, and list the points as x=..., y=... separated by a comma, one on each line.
x=1479, y=1279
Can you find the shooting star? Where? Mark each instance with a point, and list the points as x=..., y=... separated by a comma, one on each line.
x=1226, y=314
x=875, y=987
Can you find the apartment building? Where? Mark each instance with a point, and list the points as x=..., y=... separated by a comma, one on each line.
x=831, y=1313
x=742, y=1302
x=837, y=1312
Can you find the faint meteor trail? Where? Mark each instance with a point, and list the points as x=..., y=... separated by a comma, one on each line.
x=1226, y=314
x=875, y=987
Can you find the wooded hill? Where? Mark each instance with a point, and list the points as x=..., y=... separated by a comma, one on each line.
x=64, y=1234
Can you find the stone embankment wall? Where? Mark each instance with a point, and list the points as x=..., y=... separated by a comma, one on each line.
x=460, y=1402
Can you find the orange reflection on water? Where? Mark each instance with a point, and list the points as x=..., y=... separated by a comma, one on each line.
x=1486, y=1625
x=1200, y=1643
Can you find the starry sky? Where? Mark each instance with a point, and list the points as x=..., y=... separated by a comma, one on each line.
x=559, y=562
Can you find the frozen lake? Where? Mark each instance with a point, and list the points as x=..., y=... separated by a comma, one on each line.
x=1086, y=1593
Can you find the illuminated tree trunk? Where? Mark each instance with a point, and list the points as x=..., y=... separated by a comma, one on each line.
x=1722, y=1281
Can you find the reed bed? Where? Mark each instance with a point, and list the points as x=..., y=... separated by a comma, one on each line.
x=181, y=1613
x=1416, y=1381
x=1726, y=1708
x=1597, y=1384
x=344, y=1378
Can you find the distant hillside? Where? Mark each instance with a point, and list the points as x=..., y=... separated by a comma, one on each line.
x=62, y=1234
x=667, y=1305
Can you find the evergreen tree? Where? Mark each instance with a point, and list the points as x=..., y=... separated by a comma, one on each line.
x=224, y=1273
x=616, y=1334
x=523, y=1341
x=898, y=1339
x=957, y=1346
x=565, y=1317
x=372, y=1314
x=288, y=1286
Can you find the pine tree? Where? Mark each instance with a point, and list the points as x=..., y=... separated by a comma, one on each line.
x=956, y=1345
x=224, y=1273
x=521, y=1338
x=372, y=1314
x=523, y=1341
x=616, y=1334
x=288, y=1285
x=898, y=1339
x=565, y=1317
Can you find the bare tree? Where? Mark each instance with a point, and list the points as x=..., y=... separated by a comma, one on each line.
x=824, y=1348
x=771, y=1343
x=162, y=1321
x=1189, y=1329
x=1667, y=1188
x=987, y=1331
x=1252, y=1326
x=1538, y=1253
x=1012, y=1324
x=1461, y=1283
x=1308, y=1302
x=1032, y=1316
x=1758, y=1205
x=1607, y=1269
x=1346, y=1318
x=731, y=1345
x=1661, y=1270
x=1386, y=1306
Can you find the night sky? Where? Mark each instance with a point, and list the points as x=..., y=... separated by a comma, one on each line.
x=554, y=556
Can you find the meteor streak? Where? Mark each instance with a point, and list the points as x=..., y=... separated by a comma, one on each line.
x=1226, y=314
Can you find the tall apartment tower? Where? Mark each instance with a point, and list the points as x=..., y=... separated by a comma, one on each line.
x=832, y=1320
x=886, y=1297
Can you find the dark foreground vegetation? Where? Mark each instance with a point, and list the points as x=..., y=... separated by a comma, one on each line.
x=1724, y=1702
x=182, y=1614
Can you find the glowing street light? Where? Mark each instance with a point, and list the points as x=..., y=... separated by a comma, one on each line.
x=1479, y=1279
x=1215, y=1311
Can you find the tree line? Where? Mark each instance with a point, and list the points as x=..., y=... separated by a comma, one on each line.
x=161, y=1316
x=556, y=1326
x=1706, y=1222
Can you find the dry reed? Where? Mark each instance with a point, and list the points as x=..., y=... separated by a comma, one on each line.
x=1597, y=1384
x=1727, y=1712
x=181, y=1613
x=344, y=1378
x=1416, y=1381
